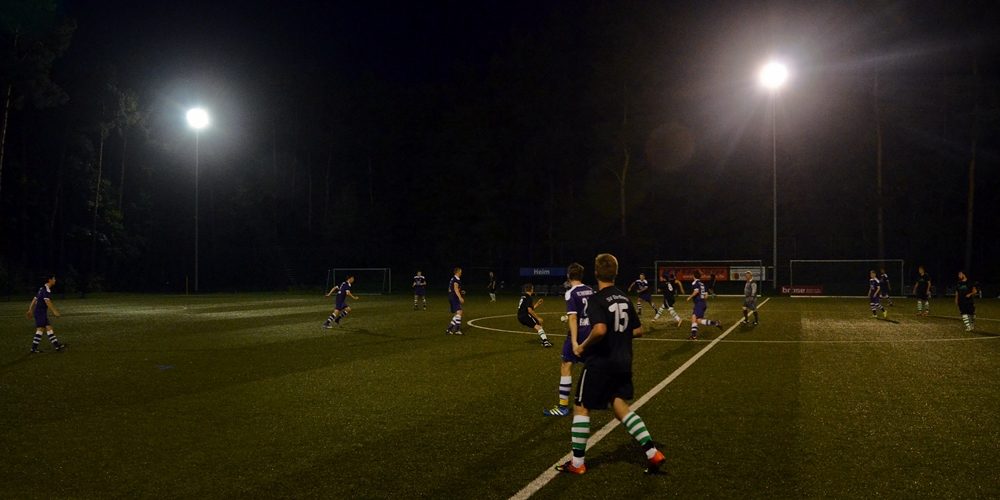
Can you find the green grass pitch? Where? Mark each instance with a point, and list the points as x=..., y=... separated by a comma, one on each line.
x=246, y=396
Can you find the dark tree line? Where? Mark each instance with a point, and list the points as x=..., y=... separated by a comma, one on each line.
x=591, y=127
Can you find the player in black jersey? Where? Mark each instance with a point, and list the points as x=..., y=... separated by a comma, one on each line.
x=526, y=312
x=965, y=293
x=922, y=290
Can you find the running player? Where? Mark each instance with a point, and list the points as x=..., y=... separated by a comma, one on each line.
x=875, y=294
x=750, y=300
x=700, y=298
x=642, y=288
x=526, y=313
x=419, y=290
x=883, y=283
x=922, y=290
x=965, y=293
x=579, y=328
x=492, y=287
x=670, y=286
x=340, y=309
x=607, y=373
x=39, y=308
x=455, y=300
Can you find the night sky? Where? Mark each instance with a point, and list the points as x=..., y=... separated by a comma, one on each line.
x=491, y=135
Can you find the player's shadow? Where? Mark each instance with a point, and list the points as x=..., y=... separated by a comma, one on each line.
x=887, y=320
x=747, y=327
x=981, y=333
x=630, y=453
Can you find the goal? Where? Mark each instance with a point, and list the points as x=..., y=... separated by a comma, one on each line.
x=367, y=280
x=728, y=273
x=842, y=277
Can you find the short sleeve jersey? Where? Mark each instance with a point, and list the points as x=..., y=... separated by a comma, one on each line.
x=883, y=281
x=873, y=286
x=669, y=287
x=641, y=286
x=698, y=285
x=527, y=301
x=43, y=294
x=962, y=289
x=924, y=283
x=342, y=292
x=451, y=286
x=493, y=285
x=419, y=282
x=576, y=308
x=750, y=289
x=613, y=352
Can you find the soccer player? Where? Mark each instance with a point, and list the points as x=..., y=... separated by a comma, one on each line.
x=607, y=372
x=922, y=290
x=642, y=288
x=456, y=300
x=492, y=287
x=711, y=285
x=750, y=300
x=340, y=309
x=965, y=292
x=699, y=296
x=39, y=308
x=579, y=328
x=419, y=290
x=526, y=312
x=875, y=294
x=670, y=286
x=883, y=282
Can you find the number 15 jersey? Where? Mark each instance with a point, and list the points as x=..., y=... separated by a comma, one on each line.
x=613, y=352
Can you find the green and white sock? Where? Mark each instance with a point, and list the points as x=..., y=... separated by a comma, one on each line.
x=579, y=434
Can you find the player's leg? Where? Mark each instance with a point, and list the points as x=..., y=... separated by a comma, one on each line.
x=587, y=390
x=52, y=338
x=669, y=302
x=874, y=305
x=456, y=323
x=343, y=314
x=37, y=339
x=565, y=383
x=635, y=426
x=746, y=318
x=541, y=334
x=694, y=324
x=753, y=307
x=416, y=297
x=707, y=322
x=424, y=299
x=330, y=319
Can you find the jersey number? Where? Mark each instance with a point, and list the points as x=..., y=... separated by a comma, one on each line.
x=620, y=311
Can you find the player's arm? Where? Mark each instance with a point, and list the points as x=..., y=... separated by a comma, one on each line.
x=694, y=293
x=31, y=307
x=351, y=295
x=573, y=328
x=597, y=332
x=680, y=286
x=972, y=293
x=56, y=311
x=630, y=287
x=458, y=293
x=332, y=291
x=915, y=285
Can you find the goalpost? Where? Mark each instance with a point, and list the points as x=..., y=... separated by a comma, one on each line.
x=843, y=277
x=367, y=280
x=728, y=273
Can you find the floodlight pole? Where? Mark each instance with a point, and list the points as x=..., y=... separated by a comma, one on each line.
x=774, y=189
x=196, y=140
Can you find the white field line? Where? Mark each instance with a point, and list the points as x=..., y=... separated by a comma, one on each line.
x=595, y=438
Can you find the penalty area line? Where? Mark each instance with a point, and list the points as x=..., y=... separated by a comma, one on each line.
x=550, y=473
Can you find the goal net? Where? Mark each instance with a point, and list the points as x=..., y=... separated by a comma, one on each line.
x=729, y=274
x=367, y=280
x=841, y=277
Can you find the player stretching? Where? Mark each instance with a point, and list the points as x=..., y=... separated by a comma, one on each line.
x=492, y=287
x=883, y=283
x=526, y=313
x=641, y=286
x=579, y=328
x=39, y=308
x=750, y=300
x=670, y=286
x=341, y=309
x=456, y=300
x=419, y=290
x=922, y=290
x=874, y=295
x=965, y=292
x=699, y=295
x=607, y=372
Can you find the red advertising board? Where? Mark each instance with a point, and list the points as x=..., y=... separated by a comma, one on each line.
x=686, y=273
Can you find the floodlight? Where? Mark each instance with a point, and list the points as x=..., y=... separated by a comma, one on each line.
x=197, y=118
x=773, y=75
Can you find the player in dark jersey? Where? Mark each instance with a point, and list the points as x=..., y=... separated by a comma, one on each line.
x=645, y=293
x=885, y=286
x=526, y=312
x=39, y=308
x=492, y=287
x=711, y=285
x=965, y=293
x=455, y=300
x=700, y=297
x=579, y=328
x=750, y=300
x=875, y=295
x=607, y=372
x=922, y=290
x=419, y=289
x=670, y=286
x=340, y=308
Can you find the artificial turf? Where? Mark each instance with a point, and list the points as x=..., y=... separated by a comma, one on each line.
x=246, y=396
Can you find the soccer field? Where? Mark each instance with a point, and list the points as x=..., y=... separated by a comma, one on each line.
x=245, y=395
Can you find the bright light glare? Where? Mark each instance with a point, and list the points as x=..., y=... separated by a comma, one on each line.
x=197, y=118
x=773, y=75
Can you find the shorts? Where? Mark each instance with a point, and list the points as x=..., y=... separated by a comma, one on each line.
x=967, y=308
x=699, y=309
x=874, y=300
x=420, y=291
x=341, y=306
x=455, y=304
x=527, y=321
x=597, y=389
x=41, y=319
x=923, y=296
x=648, y=297
x=669, y=300
x=750, y=303
x=567, y=351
